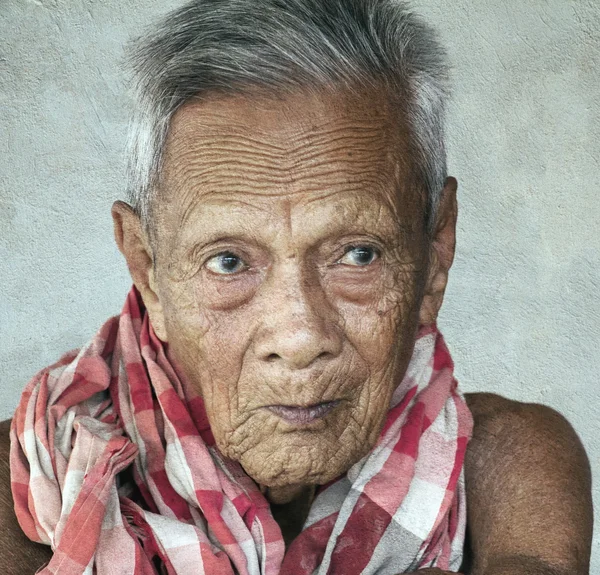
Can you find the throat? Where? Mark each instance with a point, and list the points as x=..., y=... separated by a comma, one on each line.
x=291, y=514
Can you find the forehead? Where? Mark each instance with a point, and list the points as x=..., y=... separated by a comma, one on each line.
x=303, y=147
x=287, y=121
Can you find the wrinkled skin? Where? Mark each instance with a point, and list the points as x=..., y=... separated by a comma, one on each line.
x=301, y=321
x=289, y=265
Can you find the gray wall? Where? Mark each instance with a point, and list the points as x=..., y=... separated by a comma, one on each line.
x=522, y=313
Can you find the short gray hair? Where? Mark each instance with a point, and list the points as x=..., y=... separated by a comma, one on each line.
x=232, y=46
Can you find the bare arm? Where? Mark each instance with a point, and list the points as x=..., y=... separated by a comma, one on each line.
x=528, y=491
x=18, y=555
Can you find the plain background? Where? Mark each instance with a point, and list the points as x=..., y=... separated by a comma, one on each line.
x=522, y=311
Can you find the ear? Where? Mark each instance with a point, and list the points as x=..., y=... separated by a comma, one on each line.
x=134, y=244
x=441, y=254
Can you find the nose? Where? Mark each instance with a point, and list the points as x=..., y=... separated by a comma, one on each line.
x=300, y=325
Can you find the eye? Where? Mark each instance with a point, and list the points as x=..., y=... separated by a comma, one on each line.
x=226, y=263
x=359, y=256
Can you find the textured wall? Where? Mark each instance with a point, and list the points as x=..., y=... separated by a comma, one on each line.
x=522, y=314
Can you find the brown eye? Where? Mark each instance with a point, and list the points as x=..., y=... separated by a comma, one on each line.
x=359, y=256
x=226, y=263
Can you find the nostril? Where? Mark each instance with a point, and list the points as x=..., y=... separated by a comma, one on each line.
x=272, y=357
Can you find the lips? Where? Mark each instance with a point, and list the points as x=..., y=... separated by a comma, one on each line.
x=298, y=415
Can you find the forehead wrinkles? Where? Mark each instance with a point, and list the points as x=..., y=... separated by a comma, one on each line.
x=250, y=159
x=247, y=151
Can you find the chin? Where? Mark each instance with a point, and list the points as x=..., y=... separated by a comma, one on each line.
x=285, y=469
x=305, y=456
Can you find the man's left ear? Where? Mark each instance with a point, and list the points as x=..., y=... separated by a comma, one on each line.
x=441, y=253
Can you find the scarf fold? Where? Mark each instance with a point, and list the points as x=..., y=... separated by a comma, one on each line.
x=117, y=469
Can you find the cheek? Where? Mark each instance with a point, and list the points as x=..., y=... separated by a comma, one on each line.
x=208, y=344
x=379, y=311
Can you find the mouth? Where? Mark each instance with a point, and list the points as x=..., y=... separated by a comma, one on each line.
x=299, y=415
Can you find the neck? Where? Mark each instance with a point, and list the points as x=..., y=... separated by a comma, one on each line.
x=285, y=494
x=290, y=506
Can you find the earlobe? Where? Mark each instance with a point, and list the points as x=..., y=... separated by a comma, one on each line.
x=442, y=245
x=133, y=243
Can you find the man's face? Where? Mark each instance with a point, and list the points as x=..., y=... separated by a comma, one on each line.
x=290, y=264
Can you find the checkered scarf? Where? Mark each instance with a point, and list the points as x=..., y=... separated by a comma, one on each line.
x=116, y=468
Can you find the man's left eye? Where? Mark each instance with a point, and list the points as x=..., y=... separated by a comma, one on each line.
x=359, y=256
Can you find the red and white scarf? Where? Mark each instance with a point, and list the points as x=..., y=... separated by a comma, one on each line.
x=116, y=468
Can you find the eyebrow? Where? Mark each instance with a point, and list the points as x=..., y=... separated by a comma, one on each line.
x=235, y=232
x=216, y=199
x=232, y=202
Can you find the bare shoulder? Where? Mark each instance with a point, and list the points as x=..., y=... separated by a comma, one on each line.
x=505, y=430
x=495, y=416
x=18, y=555
x=528, y=485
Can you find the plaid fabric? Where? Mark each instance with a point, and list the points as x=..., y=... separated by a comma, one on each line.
x=116, y=468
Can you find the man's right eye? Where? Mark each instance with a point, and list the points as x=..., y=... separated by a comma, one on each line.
x=226, y=263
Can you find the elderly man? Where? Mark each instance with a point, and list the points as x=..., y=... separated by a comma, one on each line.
x=275, y=396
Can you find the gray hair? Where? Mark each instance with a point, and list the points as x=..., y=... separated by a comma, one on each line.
x=232, y=46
